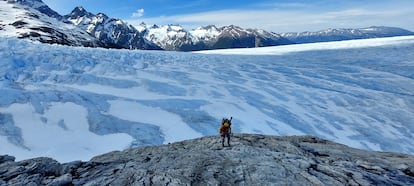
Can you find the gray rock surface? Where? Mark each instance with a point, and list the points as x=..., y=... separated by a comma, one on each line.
x=251, y=160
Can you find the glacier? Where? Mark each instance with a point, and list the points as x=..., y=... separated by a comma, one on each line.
x=72, y=103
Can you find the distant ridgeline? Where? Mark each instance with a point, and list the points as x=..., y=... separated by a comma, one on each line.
x=346, y=34
x=36, y=21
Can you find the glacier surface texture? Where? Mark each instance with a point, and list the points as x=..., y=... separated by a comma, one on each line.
x=72, y=103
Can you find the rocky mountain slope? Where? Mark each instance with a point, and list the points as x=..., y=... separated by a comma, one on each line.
x=175, y=37
x=39, y=6
x=112, y=32
x=33, y=19
x=345, y=34
x=21, y=19
x=251, y=160
x=171, y=37
x=236, y=37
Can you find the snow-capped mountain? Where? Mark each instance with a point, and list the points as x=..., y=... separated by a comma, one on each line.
x=20, y=19
x=38, y=22
x=44, y=24
x=175, y=37
x=345, y=34
x=237, y=37
x=171, y=37
x=73, y=103
x=207, y=34
x=40, y=6
x=113, y=33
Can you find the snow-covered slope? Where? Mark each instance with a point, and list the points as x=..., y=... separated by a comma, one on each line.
x=114, y=33
x=40, y=6
x=72, y=103
x=33, y=19
x=24, y=21
x=175, y=37
x=208, y=34
x=172, y=37
x=236, y=37
x=345, y=34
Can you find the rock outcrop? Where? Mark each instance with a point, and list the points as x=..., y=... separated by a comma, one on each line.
x=251, y=160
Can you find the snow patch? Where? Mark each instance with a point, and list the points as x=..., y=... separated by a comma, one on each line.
x=173, y=128
x=48, y=138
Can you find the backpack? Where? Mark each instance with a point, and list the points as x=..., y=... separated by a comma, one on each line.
x=226, y=124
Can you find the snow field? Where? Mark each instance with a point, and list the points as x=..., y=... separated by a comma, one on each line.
x=91, y=101
x=61, y=132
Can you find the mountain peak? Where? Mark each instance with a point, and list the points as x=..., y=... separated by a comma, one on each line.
x=80, y=8
x=102, y=15
x=208, y=27
x=79, y=11
x=154, y=26
x=175, y=27
x=232, y=27
x=41, y=7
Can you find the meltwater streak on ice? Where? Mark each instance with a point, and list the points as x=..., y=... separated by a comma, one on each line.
x=280, y=50
x=122, y=98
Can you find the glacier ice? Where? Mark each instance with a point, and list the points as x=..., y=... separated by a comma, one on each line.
x=360, y=96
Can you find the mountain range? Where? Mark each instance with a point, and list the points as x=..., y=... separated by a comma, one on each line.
x=114, y=33
x=33, y=19
x=345, y=34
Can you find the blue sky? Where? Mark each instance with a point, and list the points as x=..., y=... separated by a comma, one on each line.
x=272, y=15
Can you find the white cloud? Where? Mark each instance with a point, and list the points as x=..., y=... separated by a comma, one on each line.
x=286, y=5
x=138, y=13
x=296, y=17
x=291, y=20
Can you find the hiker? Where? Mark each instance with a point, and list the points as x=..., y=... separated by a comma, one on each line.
x=225, y=130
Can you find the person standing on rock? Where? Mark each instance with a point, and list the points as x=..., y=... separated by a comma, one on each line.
x=225, y=130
